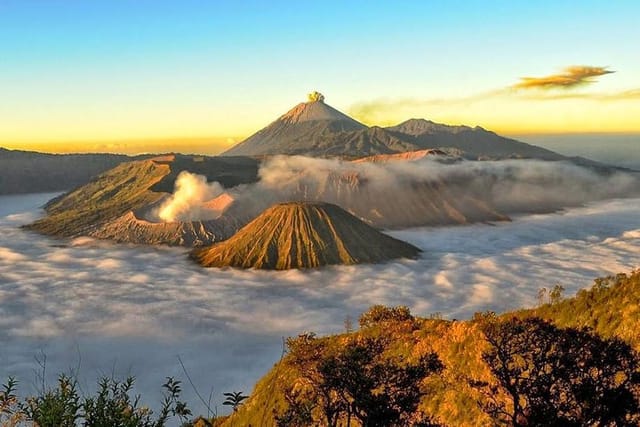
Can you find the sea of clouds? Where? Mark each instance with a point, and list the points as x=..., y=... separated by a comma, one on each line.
x=106, y=309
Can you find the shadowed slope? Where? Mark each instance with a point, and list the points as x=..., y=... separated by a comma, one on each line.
x=476, y=143
x=33, y=172
x=303, y=235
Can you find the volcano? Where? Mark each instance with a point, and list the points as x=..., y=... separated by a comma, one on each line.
x=303, y=235
x=316, y=129
x=116, y=204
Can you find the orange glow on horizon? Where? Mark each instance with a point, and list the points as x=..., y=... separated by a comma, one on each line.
x=204, y=145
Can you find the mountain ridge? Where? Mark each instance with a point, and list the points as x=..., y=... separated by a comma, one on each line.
x=316, y=129
x=34, y=172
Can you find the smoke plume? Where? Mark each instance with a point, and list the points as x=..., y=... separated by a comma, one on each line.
x=186, y=202
x=315, y=96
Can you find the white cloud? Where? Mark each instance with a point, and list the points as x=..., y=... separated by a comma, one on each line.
x=136, y=308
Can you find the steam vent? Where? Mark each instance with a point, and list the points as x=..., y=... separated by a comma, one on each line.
x=315, y=96
x=303, y=235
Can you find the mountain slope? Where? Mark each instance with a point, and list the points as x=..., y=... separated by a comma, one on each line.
x=108, y=196
x=381, y=203
x=32, y=172
x=476, y=143
x=303, y=235
x=111, y=204
x=401, y=157
x=610, y=307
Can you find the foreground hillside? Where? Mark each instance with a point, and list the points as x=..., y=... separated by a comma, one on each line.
x=462, y=390
x=518, y=369
x=611, y=308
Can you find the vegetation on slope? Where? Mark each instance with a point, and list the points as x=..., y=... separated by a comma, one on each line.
x=112, y=405
x=611, y=307
x=514, y=369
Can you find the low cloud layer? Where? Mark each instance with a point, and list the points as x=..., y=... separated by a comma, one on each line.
x=132, y=310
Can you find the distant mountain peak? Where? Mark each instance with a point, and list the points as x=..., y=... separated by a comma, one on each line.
x=309, y=128
x=422, y=126
x=315, y=110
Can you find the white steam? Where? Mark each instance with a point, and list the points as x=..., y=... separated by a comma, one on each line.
x=400, y=194
x=186, y=203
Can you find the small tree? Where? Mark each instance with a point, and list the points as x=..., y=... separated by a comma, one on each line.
x=234, y=399
x=380, y=314
x=378, y=391
x=555, y=296
x=348, y=324
x=542, y=296
x=10, y=410
x=59, y=407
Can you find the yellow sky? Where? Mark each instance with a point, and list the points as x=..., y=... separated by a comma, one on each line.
x=210, y=145
x=566, y=102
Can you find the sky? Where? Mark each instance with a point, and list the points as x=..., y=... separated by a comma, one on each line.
x=194, y=76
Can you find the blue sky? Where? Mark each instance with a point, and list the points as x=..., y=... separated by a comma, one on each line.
x=108, y=70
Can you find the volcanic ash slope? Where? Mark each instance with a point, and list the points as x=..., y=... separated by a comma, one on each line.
x=303, y=235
